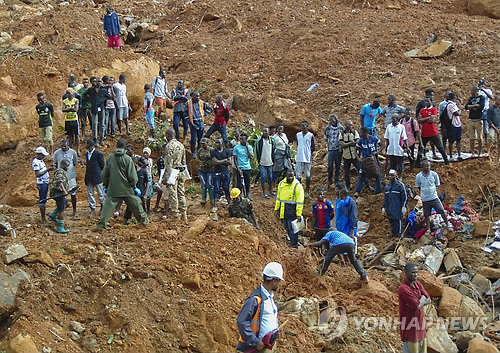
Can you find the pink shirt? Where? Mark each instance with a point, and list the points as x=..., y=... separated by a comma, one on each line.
x=409, y=131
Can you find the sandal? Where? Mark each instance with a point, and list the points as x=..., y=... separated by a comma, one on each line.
x=266, y=196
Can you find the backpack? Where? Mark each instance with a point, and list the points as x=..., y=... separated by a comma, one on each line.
x=444, y=118
x=370, y=166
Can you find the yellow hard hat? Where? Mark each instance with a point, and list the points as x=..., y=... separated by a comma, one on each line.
x=235, y=192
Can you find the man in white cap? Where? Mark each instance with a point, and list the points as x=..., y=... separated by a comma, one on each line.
x=258, y=319
x=395, y=202
x=42, y=178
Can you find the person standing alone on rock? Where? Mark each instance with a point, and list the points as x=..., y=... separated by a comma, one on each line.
x=112, y=28
x=66, y=153
x=174, y=176
x=395, y=201
x=42, y=179
x=45, y=112
x=258, y=319
x=93, y=176
x=412, y=297
x=305, y=149
x=290, y=204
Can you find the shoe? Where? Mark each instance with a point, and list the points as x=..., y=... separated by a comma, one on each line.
x=203, y=202
x=366, y=280
x=214, y=209
x=356, y=194
x=92, y=212
x=266, y=196
x=116, y=214
x=53, y=215
x=60, y=226
x=274, y=194
x=287, y=238
x=306, y=195
x=193, y=156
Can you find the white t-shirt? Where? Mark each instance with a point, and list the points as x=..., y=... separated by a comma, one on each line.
x=266, y=159
x=396, y=135
x=38, y=165
x=455, y=119
x=486, y=98
x=304, y=142
x=269, y=320
x=121, y=94
x=281, y=141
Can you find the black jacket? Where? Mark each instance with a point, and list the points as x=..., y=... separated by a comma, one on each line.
x=97, y=98
x=395, y=198
x=94, y=168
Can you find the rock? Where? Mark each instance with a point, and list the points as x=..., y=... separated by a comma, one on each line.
x=5, y=227
x=220, y=333
x=490, y=272
x=23, y=344
x=210, y=17
x=13, y=124
x=245, y=104
x=204, y=342
x=433, y=285
x=41, y=257
x=478, y=345
x=439, y=341
x=449, y=305
x=430, y=311
x=434, y=50
x=483, y=228
x=466, y=290
x=221, y=75
x=73, y=47
x=75, y=336
x=433, y=260
x=9, y=286
x=375, y=289
x=77, y=326
x=490, y=8
x=462, y=339
x=306, y=309
x=192, y=281
x=15, y=252
x=231, y=23
x=27, y=40
x=5, y=38
x=115, y=320
x=90, y=343
x=470, y=309
x=452, y=262
x=196, y=229
x=481, y=283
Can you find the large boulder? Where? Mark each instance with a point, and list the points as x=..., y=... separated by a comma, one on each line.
x=14, y=128
x=490, y=272
x=478, y=345
x=470, y=309
x=449, y=306
x=439, y=341
x=306, y=309
x=433, y=285
x=490, y=8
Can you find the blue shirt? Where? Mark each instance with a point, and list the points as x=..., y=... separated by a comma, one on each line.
x=111, y=24
x=242, y=156
x=345, y=221
x=369, y=146
x=197, y=118
x=336, y=238
x=370, y=115
x=269, y=320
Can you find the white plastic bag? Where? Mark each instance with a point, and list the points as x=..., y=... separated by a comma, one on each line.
x=297, y=225
x=187, y=176
x=172, y=178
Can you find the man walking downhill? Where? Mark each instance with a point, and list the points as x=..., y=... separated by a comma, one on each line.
x=427, y=117
x=197, y=111
x=93, y=176
x=45, y=112
x=265, y=149
x=305, y=149
x=412, y=297
x=258, y=319
x=119, y=178
x=347, y=142
x=112, y=28
x=221, y=112
x=123, y=107
x=395, y=138
x=42, y=179
x=395, y=202
x=290, y=204
x=159, y=89
x=180, y=96
x=66, y=153
x=242, y=154
x=174, y=176
x=475, y=106
x=331, y=136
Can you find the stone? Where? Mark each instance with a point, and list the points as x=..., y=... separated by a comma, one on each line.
x=210, y=17
x=192, y=281
x=73, y=47
x=449, y=305
x=452, y=262
x=90, y=343
x=470, y=309
x=433, y=260
x=8, y=288
x=77, y=326
x=489, y=272
x=437, y=49
x=41, y=257
x=5, y=227
x=22, y=344
x=430, y=311
x=221, y=75
x=306, y=309
x=196, y=229
x=75, y=336
x=490, y=8
x=15, y=252
x=478, y=345
x=439, y=341
x=13, y=124
x=466, y=290
x=481, y=283
x=220, y=333
x=27, y=40
x=462, y=339
x=204, y=342
x=5, y=38
x=483, y=228
x=433, y=285
x=245, y=104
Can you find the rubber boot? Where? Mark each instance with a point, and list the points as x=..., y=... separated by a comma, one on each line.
x=60, y=226
x=53, y=215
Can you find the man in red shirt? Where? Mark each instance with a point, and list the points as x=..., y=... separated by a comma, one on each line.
x=221, y=112
x=412, y=297
x=323, y=212
x=427, y=116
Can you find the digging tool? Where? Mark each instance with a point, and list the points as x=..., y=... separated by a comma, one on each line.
x=53, y=197
x=270, y=338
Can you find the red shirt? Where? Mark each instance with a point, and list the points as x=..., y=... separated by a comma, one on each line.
x=219, y=110
x=412, y=319
x=429, y=129
x=324, y=212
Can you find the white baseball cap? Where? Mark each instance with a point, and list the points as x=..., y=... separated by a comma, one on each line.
x=273, y=270
x=41, y=150
x=392, y=171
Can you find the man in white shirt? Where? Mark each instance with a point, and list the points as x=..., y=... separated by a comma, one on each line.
x=42, y=178
x=395, y=138
x=122, y=103
x=487, y=94
x=305, y=149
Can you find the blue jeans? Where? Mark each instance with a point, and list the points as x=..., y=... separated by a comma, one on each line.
x=109, y=115
x=485, y=122
x=266, y=171
x=334, y=157
x=206, y=185
x=43, y=191
x=294, y=237
x=196, y=135
x=221, y=180
x=177, y=120
x=362, y=179
x=222, y=130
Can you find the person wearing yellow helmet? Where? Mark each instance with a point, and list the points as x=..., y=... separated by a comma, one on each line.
x=240, y=207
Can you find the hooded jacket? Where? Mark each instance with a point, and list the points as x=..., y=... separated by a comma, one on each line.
x=395, y=198
x=111, y=24
x=119, y=174
x=290, y=199
x=245, y=316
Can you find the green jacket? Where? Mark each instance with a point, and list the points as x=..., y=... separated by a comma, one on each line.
x=119, y=174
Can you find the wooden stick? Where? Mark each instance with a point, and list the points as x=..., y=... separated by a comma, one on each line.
x=201, y=20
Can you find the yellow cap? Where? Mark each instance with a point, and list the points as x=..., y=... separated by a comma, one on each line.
x=235, y=192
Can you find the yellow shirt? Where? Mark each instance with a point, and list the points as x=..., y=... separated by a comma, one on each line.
x=70, y=116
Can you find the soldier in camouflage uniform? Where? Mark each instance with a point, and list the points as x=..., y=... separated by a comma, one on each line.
x=241, y=208
x=175, y=158
x=59, y=190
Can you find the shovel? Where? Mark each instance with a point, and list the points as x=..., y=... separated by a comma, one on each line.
x=53, y=197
